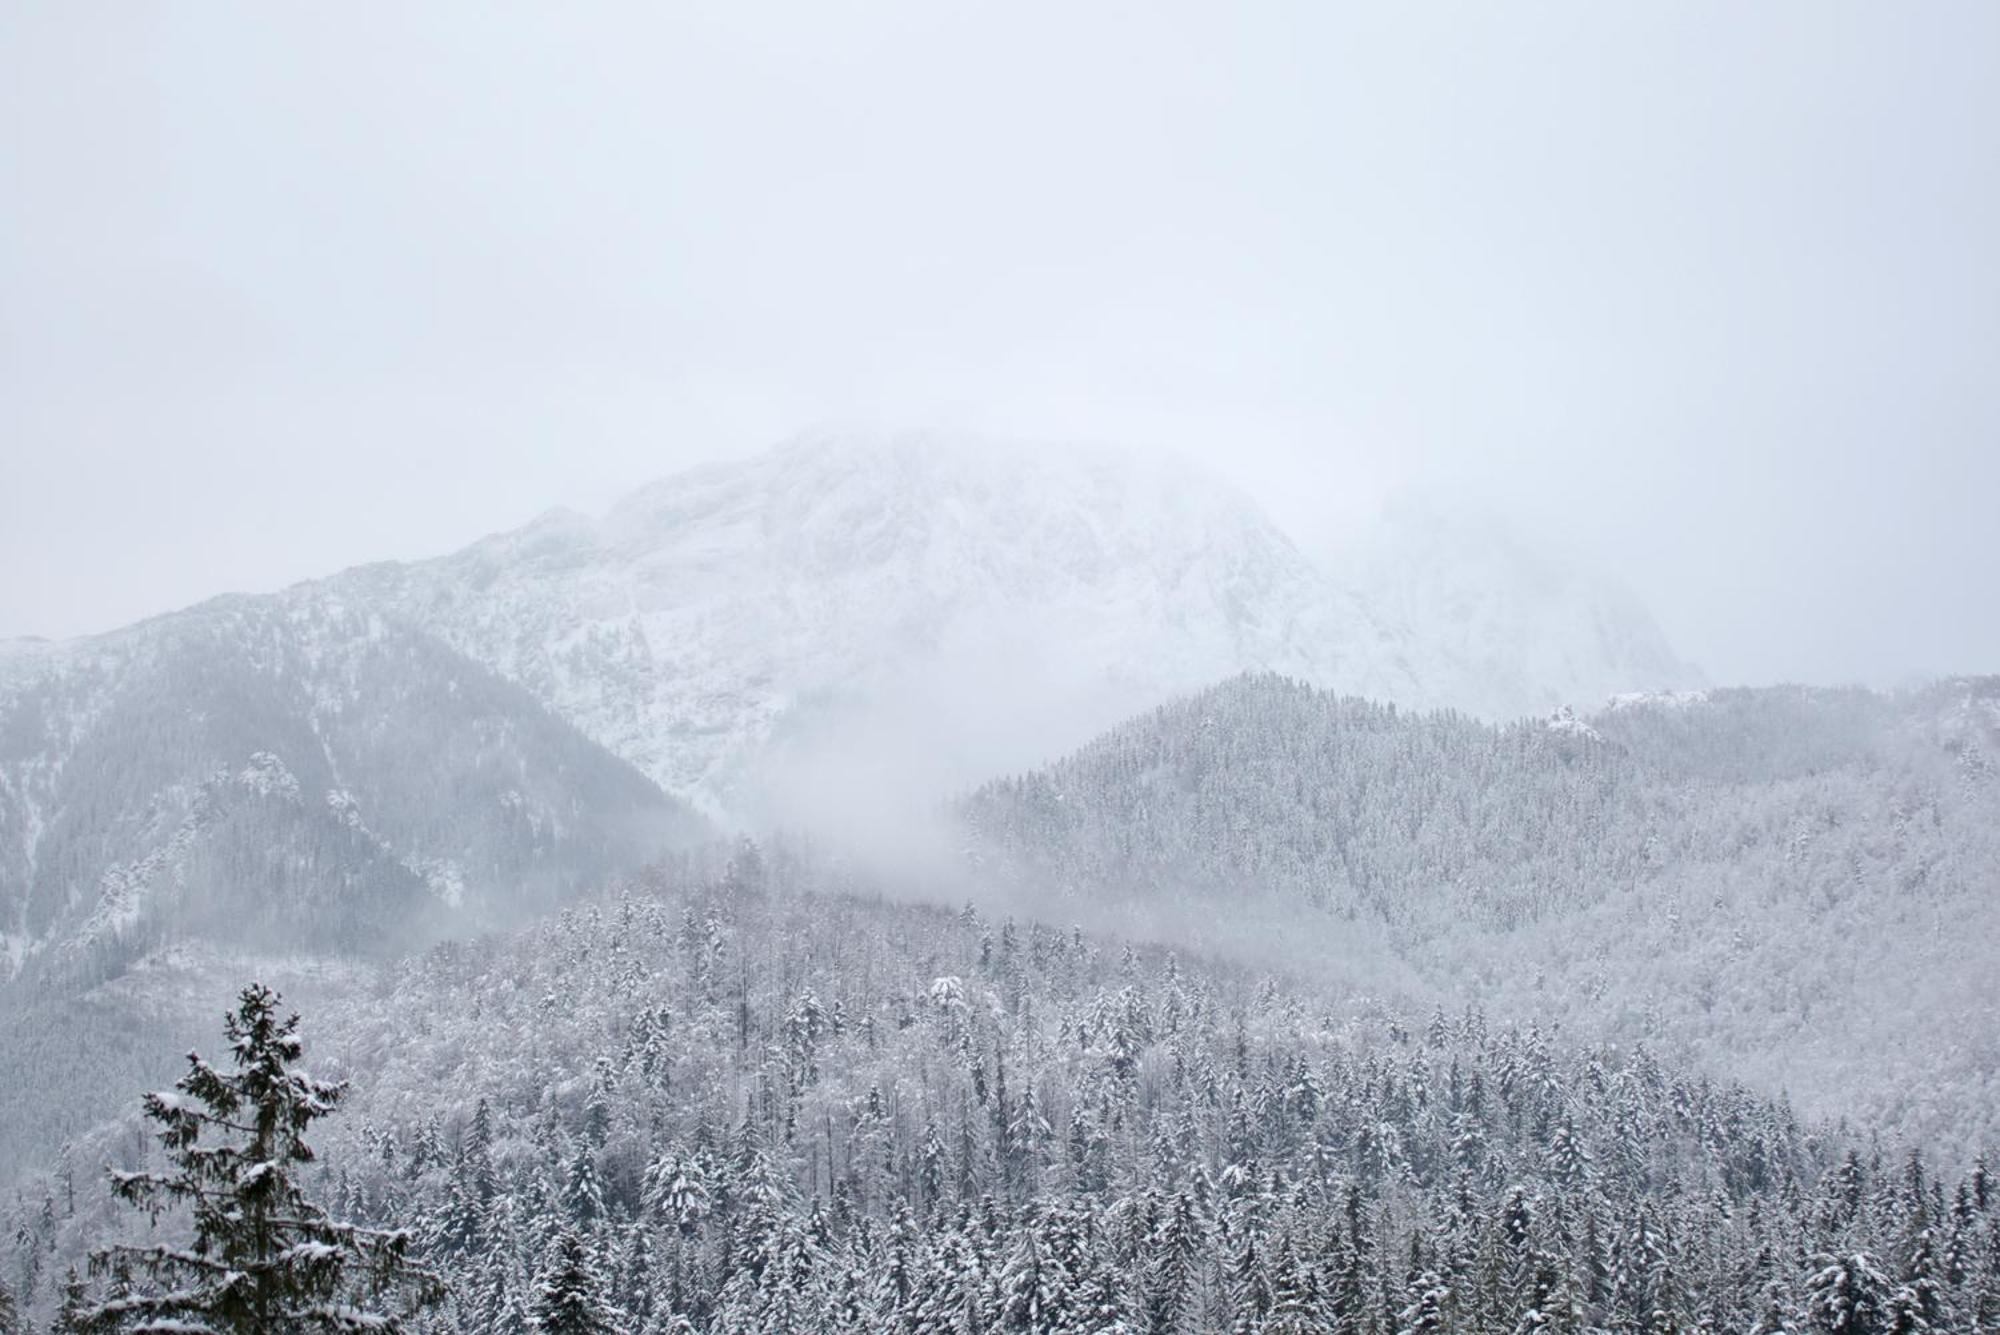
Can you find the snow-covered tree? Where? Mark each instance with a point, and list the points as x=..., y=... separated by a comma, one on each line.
x=262, y=1257
x=569, y=1300
x=1848, y=1295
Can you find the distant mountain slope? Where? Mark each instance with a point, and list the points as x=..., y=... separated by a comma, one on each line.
x=1528, y=630
x=288, y=771
x=835, y=632
x=1781, y=879
x=932, y=611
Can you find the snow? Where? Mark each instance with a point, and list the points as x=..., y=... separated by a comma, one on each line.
x=830, y=634
x=266, y=775
x=1565, y=721
x=345, y=808
x=726, y=628
x=1657, y=699
x=1505, y=624
x=444, y=877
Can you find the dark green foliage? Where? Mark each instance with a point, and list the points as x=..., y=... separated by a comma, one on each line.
x=1847, y=1295
x=570, y=1300
x=262, y=1257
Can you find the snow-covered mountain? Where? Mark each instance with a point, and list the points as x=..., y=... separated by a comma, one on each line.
x=1772, y=881
x=830, y=634
x=1524, y=629
x=928, y=611
x=288, y=771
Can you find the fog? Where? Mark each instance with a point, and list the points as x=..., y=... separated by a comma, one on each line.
x=1710, y=295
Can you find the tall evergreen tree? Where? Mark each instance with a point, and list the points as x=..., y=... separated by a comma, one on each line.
x=70, y=1317
x=1848, y=1296
x=570, y=1298
x=263, y=1258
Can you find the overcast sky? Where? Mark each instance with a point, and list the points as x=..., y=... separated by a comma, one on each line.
x=1712, y=292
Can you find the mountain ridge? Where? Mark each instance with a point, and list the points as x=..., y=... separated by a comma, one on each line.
x=711, y=612
x=294, y=769
x=1761, y=875
x=835, y=633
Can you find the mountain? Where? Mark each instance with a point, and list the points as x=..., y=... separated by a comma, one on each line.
x=289, y=771
x=1774, y=880
x=922, y=612
x=835, y=633
x=1527, y=630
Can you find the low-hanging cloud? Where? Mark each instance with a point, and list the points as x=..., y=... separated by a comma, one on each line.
x=1710, y=295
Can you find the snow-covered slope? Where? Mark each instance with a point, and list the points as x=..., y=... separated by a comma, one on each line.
x=1522, y=630
x=1791, y=883
x=288, y=771
x=928, y=611
x=828, y=634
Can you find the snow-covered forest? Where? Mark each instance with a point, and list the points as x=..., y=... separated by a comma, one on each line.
x=758, y=1099
x=1268, y=1008
x=1773, y=882
x=1300, y=667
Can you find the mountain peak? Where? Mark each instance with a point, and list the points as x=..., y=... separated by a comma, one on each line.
x=849, y=592
x=1532, y=628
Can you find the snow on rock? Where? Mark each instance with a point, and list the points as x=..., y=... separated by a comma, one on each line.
x=1565, y=721
x=266, y=776
x=1502, y=624
x=443, y=877
x=1657, y=699
x=152, y=783
x=931, y=610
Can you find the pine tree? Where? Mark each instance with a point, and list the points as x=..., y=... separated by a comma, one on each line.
x=1295, y=1305
x=1775, y=1313
x=1430, y=1312
x=70, y=1317
x=674, y=1192
x=1250, y=1287
x=1848, y=1296
x=10, y=1316
x=1176, y=1254
x=263, y=1258
x=583, y=1196
x=1920, y=1297
x=1030, y=1286
x=898, y=1277
x=570, y=1297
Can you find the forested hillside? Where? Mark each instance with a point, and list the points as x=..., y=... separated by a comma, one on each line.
x=289, y=772
x=743, y=1103
x=259, y=777
x=1769, y=881
x=940, y=608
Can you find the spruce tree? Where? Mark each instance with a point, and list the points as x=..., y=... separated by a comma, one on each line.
x=570, y=1298
x=262, y=1257
x=1429, y=1312
x=1848, y=1296
x=70, y=1317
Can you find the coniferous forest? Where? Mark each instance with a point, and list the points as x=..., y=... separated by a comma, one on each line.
x=749, y=1099
x=1299, y=667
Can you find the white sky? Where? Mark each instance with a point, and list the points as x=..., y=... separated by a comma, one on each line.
x=1712, y=291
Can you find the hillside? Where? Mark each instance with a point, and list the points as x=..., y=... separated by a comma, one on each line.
x=289, y=772
x=763, y=1106
x=1529, y=629
x=1774, y=880
x=751, y=634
